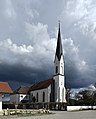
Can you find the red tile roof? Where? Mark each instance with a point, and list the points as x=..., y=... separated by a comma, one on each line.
x=5, y=88
x=41, y=85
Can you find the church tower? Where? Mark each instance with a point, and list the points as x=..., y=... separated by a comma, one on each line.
x=59, y=78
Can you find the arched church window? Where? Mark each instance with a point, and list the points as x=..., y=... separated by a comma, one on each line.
x=59, y=99
x=63, y=94
x=62, y=69
x=37, y=97
x=31, y=96
x=55, y=90
x=43, y=96
x=56, y=69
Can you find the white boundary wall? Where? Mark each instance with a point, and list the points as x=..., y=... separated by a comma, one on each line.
x=72, y=108
x=94, y=107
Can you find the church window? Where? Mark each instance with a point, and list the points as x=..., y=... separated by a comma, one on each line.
x=56, y=69
x=34, y=99
x=31, y=96
x=55, y=90
x=59, y=99
x=43, y=96
x=37, y=97
x=26, y=96
x=62, y=69
x=21, y=96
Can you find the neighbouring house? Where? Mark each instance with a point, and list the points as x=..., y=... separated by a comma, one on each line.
x=20, y=95
x=52, y=90
x=4, y=89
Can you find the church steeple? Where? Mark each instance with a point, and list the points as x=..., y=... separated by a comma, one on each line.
x=60, y=92
x=59, y=50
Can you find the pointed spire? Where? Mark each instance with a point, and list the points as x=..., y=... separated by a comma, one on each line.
x=59, y=50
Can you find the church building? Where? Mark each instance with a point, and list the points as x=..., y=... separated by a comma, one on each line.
x=52, y=90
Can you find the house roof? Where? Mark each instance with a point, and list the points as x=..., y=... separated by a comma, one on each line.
x=41, y=85
x=22, y=90
x=5, y=88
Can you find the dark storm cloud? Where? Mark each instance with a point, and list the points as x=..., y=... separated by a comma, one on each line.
x=22, y=75
x=76, y=79
x=24, y=64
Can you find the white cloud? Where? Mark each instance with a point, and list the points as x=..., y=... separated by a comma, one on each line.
x=72, y=55
x=78, y=8
x=37, y=33
x=35, y=55
x=11, y=53
x=83, y=15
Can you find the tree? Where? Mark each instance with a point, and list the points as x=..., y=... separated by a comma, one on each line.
x=68, y=93
x=87, y=96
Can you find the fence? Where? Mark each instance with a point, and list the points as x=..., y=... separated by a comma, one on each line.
x=51, y=105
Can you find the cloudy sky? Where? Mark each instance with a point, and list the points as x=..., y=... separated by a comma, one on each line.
x=28, y=34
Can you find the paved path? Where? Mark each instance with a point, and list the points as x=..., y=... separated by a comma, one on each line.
x=60, y=115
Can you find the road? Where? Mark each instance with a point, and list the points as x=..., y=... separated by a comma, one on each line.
x=91, y=114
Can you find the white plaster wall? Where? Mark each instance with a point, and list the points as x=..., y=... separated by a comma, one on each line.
x=64, y=95
x=40, y=94
x=60, y=80
x=60, y=94
x=0, y=102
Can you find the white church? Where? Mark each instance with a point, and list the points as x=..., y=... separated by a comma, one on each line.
x=52, y=90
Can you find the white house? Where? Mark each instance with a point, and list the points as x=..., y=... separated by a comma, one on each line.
x=20, y=95
x=4, y=89
x=52, y=90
